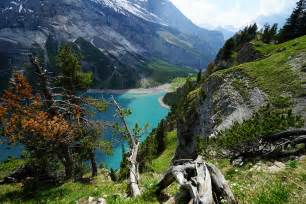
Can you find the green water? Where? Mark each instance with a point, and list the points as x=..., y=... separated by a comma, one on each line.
x=145, y=110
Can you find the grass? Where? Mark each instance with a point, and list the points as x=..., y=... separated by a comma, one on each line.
x=272, y=74
x=8, y=166
x=249, y=185
x=161, y=164
x=254, y=186
x=241, y=87
x=164, y=72
x=180, y=81
x=71, y=192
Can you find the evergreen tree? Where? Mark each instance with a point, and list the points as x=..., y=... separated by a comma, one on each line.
x=296, y=24
x=269, y=33
x=160, y=137
x=228, y=48
x=199, y=76
x=69, y=66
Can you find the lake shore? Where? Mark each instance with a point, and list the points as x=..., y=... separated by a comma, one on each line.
x=162, y=88
x=166, y=88
x=162, y=104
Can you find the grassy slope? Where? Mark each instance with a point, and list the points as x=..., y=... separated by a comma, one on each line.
x=273, y=74
x=101, y=187
x=163, y=72
x=260, y=186
x=250, y=185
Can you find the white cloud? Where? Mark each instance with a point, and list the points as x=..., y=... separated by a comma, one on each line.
x=235, y=13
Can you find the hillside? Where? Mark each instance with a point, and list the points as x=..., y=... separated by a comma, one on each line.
x=126, y=34
x=212, y=108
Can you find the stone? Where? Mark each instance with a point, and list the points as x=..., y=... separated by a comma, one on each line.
x=92, y=200
x=238, y=162
x=276, y=167
x=302, y=158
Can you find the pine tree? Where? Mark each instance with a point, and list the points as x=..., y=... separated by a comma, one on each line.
x=199, y=76
x=269, y=33
x=69, y=66
x=295, y=25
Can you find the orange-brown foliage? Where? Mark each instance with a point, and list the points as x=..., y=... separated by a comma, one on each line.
x=23, y=117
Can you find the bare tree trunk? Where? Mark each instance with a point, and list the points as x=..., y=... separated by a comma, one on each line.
x=44, y=84
x=134, y=172
x=220, y=186
x=94, y=168
x=201, y=180
x=133, y=166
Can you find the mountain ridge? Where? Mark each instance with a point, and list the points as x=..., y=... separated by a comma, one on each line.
x=128, y=30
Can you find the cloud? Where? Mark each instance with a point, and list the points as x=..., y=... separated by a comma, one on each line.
x=237, y=13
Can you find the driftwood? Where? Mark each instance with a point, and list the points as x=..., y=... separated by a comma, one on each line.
x=278, y=145
x=133, y=166
x=204, y=182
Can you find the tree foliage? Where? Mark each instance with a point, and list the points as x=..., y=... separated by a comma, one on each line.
x=59, y=129
x=237, y=41
x=269, y=33
x=69, y=66
x=296, y=23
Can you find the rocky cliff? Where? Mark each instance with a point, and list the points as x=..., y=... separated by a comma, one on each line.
x=234, y=95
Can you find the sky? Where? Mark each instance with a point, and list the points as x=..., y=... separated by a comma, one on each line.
x=234, y=13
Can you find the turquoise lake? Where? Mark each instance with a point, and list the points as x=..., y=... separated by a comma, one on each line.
x=145, y=110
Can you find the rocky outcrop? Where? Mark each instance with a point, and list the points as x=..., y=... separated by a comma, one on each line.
x=298, y=64
x=229, y=98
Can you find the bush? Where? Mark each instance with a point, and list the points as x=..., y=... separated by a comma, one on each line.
x=265, y=122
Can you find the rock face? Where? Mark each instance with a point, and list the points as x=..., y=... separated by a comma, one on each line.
x=130, y=31
x=228, y=99
x=298, y=64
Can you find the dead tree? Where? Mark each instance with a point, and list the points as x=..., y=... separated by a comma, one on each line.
x=204, y=183
x=282, y=144
x=134, y=143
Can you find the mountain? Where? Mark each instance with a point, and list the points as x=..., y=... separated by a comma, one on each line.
x=127, y=34
x=227, y=31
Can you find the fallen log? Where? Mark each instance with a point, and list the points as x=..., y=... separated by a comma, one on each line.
x=204, y=182
x=18, y=175
x=282, y=144
x=285, y=134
